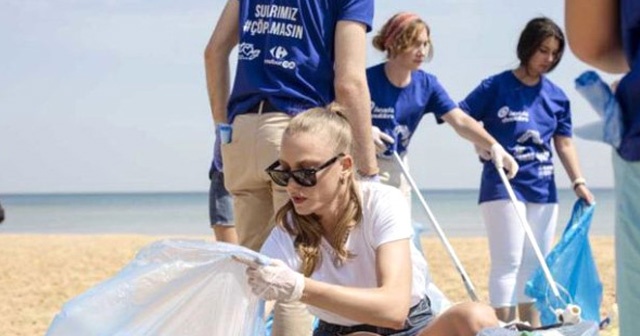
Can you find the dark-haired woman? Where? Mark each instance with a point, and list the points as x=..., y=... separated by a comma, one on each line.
x=343, y=247
x=525, y=112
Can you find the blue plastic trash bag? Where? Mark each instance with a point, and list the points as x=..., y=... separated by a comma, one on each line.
x=172, y=287
x=574, y=271
x=603, y=101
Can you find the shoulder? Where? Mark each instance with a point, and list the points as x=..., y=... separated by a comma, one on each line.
x=553, y=90
x=376, y=195
x=491, y=83
x=501, y=78
x=424, y=77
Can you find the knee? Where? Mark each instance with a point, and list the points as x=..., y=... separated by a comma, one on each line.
x=473, y=317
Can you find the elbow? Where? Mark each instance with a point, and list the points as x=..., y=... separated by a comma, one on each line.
x=395, y=316
x=217, y=51
x=209, y=53
x=396, y=320
x=604, y=57
x=349, y=87
x=398, y=323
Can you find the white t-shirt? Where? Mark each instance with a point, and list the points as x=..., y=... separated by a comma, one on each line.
x=385, y=219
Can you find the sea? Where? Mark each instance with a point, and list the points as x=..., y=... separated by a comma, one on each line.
x=186, y=213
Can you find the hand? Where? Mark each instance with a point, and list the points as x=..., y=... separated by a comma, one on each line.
x=381, y=139
x=217, y=153
x=275, y=281
x=583, y=192
x=502, y=159
x=484, y=154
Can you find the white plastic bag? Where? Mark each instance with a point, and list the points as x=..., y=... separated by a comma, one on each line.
x=172, y=287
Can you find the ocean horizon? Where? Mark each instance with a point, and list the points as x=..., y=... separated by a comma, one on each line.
x=186, y=213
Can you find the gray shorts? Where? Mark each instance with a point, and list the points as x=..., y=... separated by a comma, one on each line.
x=419, y=317
x=220, y=201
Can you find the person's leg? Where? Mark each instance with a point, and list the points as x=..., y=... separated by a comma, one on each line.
x=255, y=144
x=289, y=318
x=543, y=220
x=627, y=243
x=465, y=319
x=506, y=239
x=221, y=210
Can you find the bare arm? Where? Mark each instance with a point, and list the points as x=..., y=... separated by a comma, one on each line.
x=352, y=91
x=593, y=32
x=216, y=60
x=569, y=157
x=387, y=305
x=469, y=128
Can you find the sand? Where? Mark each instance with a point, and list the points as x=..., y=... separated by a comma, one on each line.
x=39, y=273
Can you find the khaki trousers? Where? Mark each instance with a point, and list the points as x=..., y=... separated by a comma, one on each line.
x=255, y=145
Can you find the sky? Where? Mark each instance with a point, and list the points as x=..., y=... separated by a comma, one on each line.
x=109, y=95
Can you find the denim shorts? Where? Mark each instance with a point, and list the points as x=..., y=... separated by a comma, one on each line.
x=419, y=317
x=220, y=202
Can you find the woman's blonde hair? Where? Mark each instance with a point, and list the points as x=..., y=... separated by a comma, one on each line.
x=400, y=32
x=307, y=230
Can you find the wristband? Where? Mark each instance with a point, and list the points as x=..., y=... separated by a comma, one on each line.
x=578, y=182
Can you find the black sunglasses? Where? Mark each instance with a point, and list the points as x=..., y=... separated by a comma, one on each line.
x=305, y=177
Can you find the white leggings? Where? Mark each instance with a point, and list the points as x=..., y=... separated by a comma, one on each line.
x=512, y=257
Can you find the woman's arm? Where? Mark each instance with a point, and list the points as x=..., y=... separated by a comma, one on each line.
x=386, y=306
x=473, y=131
x=569, y=157
x=593, y=33
x=469, y=128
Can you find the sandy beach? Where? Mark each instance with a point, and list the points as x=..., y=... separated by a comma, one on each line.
x=39, y=273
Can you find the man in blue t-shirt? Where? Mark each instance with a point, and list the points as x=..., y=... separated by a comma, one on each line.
x=606, y=34
x=292, y=55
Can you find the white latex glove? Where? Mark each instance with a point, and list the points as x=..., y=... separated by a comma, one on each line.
x=381, y=139
x=275, y=281
x=502, y=159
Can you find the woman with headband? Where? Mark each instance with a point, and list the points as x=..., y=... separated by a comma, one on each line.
x=402, y=94
x=343, y=246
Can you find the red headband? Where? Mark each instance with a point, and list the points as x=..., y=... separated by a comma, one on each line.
x=397, y=24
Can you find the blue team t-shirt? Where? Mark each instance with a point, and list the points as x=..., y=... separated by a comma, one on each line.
x=398, y=111
x=523, y=119
x=628, y=92
x=286, y=52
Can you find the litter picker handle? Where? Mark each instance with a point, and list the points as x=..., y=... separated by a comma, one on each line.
x=465, y=277
x=529, y=233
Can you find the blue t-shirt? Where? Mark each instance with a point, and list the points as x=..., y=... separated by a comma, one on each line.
x=398, y=111
x=628, y=92
x=523, y=119
x=286, y=52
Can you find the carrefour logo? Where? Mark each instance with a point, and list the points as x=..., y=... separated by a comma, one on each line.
x=278, y=52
